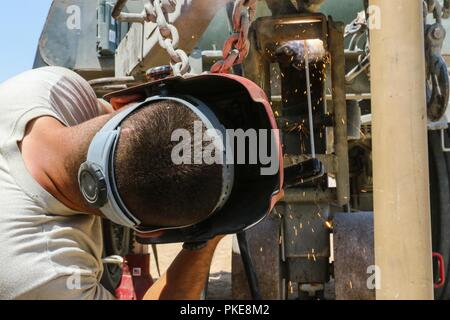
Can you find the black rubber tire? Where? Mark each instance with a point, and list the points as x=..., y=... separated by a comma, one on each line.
x=440, y=206
x=117, y=240
x=268, y=266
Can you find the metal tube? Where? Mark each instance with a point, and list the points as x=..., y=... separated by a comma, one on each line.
x=118, y=7
x=403, y=252
x=336, y=48
x=310, y=110
x=118, y=15
x=111, y=80
x=249, y=266
x=131, y=17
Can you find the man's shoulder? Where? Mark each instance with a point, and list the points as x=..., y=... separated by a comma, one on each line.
x=60, y=71
x=45, y=78
x=43, y=74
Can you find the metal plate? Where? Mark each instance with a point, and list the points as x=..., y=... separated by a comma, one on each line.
x=353, y=243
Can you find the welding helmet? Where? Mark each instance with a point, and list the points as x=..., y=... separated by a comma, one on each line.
x=222, y=102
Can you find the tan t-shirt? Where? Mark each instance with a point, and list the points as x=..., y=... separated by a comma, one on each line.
x=47, y=251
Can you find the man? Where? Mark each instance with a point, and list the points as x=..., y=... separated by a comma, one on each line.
x=48, y=233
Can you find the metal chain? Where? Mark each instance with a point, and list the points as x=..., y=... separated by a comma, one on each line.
x=168, y=37
x=237, y=46
x=437, y=84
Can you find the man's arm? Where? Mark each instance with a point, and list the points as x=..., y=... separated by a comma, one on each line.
x=186, y=277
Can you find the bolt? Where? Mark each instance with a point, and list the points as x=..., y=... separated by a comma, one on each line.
x=438, y=33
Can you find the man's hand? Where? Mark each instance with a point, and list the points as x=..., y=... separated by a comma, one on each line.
x=187, y=276
x=121, y=102
x=104, y=107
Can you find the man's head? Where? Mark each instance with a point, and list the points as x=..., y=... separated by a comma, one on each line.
x=157, y=191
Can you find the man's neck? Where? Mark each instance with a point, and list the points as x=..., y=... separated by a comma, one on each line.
x=53, y=153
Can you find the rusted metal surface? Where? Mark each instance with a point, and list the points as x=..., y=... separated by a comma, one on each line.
x=305, y=195
x=236, y=48
x=336, y=49
x=306, y=241
x=305, y=210
x=256, y=67
x=280, y=7
x=140, y=49
x=353, y=243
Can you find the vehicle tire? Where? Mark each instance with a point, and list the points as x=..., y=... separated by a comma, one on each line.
x=440, y=205
x=264, y=246
x=117, y=240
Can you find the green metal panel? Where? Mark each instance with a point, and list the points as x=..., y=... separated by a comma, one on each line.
x=217, y=32
x=342, y=10
x=70, y=38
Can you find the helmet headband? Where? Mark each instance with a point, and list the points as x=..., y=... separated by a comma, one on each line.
x=97, y=179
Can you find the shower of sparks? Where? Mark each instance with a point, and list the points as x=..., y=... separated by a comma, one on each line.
x=315, y=47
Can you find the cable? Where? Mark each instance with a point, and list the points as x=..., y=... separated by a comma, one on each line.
x=249, y=266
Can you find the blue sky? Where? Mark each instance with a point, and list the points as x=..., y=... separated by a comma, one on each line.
x=21, y=24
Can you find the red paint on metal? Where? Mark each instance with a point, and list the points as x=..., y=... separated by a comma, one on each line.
x=440, y=260
x=136, y=278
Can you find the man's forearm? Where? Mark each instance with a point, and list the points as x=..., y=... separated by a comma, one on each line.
x=186, y=277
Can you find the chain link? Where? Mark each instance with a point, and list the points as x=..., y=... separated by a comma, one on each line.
x=168, y=37
x=235, y=50
x=237, y=46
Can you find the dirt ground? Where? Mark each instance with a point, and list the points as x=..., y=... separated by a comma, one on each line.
x=219, y=286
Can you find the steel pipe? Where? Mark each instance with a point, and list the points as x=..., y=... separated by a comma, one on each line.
x=400, y=153
x=336, y=48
